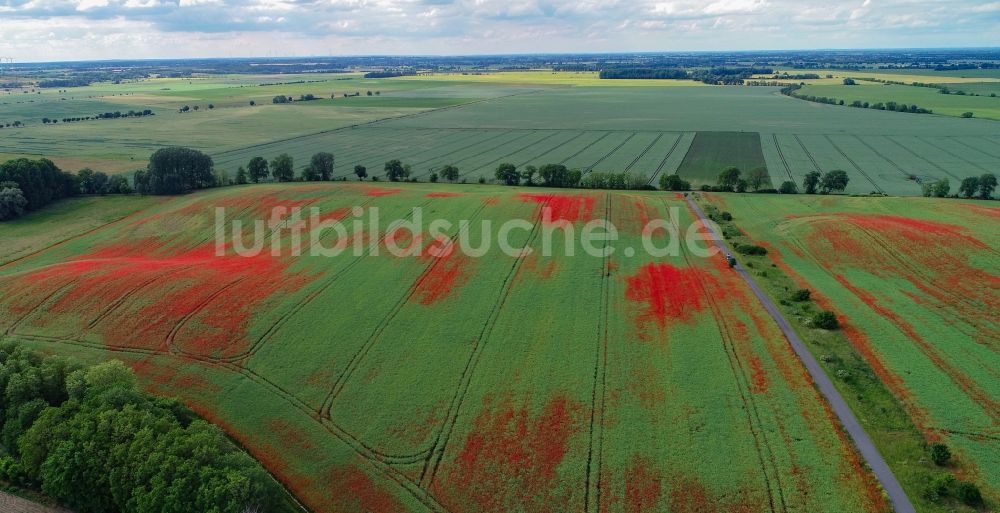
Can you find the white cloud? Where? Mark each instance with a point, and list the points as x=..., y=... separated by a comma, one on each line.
x=133, y=28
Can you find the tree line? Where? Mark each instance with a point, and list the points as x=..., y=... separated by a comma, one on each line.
x=887, y=106
x=89, y=438
x=27, y=185
x=980, y=187
x=103, y=115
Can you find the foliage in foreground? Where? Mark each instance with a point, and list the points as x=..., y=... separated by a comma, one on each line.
x=87, y=437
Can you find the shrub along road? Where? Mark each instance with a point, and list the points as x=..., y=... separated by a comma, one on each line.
x=900, y=502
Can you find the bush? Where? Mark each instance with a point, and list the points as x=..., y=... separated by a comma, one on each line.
x=940, y=454
x=969, y=494
x=674, y=183
x=750, y=249
x=726, y=216
x=826, y=320
x=967, y=115
x=939, y=488
x=801, y=295
x=788, y=187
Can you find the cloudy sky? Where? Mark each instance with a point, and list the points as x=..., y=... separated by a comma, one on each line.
x=45, y=30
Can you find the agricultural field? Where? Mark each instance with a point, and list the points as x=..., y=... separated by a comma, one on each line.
x=924, y=97
x=440, y=381
x=711, y=152
x=915, y=281
x=526, y=118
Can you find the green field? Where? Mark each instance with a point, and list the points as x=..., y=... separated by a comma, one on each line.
x=377, y=382
x=711, y=152
x=916, y=283
x=924, y=97
x=479, y=121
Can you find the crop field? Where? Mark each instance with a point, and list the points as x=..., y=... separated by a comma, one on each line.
x=711, y=152
x=479, y=121
x=916, y=283
x=924, y=97
x=441, y=381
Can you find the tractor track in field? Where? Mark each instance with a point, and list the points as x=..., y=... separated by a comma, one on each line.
x=369, y=153
x=440, y=444
x=380, y=463
x=968, y=388
x=585, y=148
x=484, y=152
x=953, y=155
x=169, y=341
x=515, y=152
x=608, y=154
x=883, y=157
x=80, y=235
x=644, y=152
x=373, y=338
x=920, y=157
x=308, y=298
x=863, y=443
x=781, y=155
x=598, y=394
x=666, y=157
x=236, y=151
x=463, y=148
x=765, y=454
x=805, y=150
x=980, y=150
x=854, y=164
x=917, y=271
x=120, y=300
x=44, y=301
x=556, y=147
x=375, y=149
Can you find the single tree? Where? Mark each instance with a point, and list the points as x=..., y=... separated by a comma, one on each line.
x=396, y=171
x=788, y=187
x=529, y=175
x=434, y=176
x=834, y=181
x=450, y=173
x=811, y=182
x=941, y=188
x=360, y=171
x=987, y=184
x=12, y=202
x=940, y=454
x=741, y=185
x=825, y=320
x=729, y=178
x=258, y=169
x=283, y=168
x=969, y=186
x=241, y=176
x=322, y=165
x=507, y=174
x=758, y=178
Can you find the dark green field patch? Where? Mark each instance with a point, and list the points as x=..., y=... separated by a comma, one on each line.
x=711, y=152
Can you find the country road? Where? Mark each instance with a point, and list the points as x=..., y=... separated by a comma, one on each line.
x=900, y=502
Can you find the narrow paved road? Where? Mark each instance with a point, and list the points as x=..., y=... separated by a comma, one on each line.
x=900, y=502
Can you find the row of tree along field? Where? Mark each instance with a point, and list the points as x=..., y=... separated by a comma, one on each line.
x=27, y=185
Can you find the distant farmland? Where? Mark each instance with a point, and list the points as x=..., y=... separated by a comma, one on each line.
x=385, y=383
x=528, y=118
